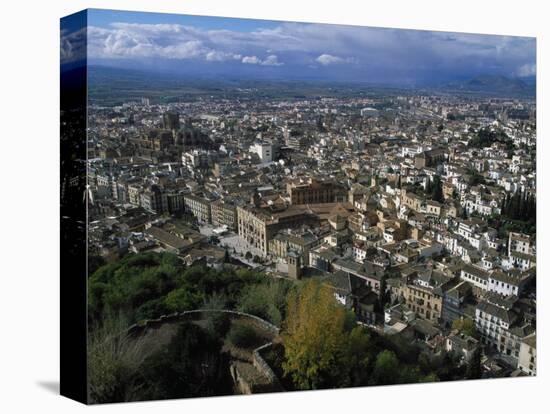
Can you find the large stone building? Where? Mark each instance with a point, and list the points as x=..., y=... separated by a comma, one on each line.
x=175, y=237
x=424, y=291
x=312, y=191
x=160, y=139
x=175, y=201
x=258, y=225
x=429, y=158
x=199, y=207
x=425, y=302
x=224, y=214
x=154, y=200
x=171, y=121
x=299, y=242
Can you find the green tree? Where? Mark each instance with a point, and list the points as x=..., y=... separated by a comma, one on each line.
x=226, y=256
x=486, y=137
x=266, y=300
x=473, y=369
x=217, y=323
x=432, y=377
x=182, y=299
x=386, y=369
x=455, y=194
x=358, y=356
x=243, y=336
x=134, y=285
x=466, y=326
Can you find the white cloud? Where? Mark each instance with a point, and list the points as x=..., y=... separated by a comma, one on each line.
x=73, y=45
x=325, y=59
x=251, y=60
x=143, y=41
x=217, y=56
x=527, y=70
x=401, y=52
x=272, y=60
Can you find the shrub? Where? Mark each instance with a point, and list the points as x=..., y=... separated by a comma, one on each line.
x=114, y=362
x=242, y=336
x=218, y=323
x=266, y=300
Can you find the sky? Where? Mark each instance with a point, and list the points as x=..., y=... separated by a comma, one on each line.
x=259, y=49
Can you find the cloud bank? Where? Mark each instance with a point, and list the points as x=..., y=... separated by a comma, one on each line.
x=299, y=49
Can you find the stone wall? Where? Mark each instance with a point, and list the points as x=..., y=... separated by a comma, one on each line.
x=263, y=366
x=198, y=314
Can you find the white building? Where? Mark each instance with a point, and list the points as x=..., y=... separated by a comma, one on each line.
x=527, y=360
x=503, y=284
x=195, y=159
x=518, y=242
x=497, y=325
x=476, y=276
x=264, y=151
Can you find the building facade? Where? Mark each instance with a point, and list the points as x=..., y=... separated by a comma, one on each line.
x=527, y=360
x=311, y=192
x=224, y=214
x=199, y=207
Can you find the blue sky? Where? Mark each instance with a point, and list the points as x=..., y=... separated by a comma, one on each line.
x=246, y=48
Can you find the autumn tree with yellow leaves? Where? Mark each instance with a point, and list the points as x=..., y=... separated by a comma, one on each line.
x=318, y=338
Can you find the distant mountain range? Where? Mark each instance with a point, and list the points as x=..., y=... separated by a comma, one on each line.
x=129, y=83
x=495, y=85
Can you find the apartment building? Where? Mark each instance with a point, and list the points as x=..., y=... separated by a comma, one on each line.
x=224, y=214
x=199, y=207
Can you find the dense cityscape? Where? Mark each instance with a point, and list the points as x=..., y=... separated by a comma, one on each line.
x=262, y=206
x=417, y=211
